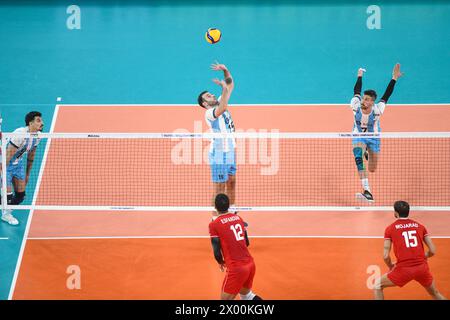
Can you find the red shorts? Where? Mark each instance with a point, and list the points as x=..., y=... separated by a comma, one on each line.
x=238, y=277
x=402, y=275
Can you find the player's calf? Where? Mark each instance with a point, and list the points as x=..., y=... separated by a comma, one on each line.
x=433, y=291
x=373, y=161
x=227, y=296
x=219, y=187
x=378, y=293
x=380, y=284
x=358, y=154
x=231, y=189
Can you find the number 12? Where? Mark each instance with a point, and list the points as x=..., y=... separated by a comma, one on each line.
x=238, y=233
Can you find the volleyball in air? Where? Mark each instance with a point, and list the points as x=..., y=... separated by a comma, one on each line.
x=213, y=35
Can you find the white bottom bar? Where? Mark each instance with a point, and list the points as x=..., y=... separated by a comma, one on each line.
x=242, y=209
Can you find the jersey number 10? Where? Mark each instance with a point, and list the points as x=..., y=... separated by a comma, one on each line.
x=238, y=233
x=410, y=238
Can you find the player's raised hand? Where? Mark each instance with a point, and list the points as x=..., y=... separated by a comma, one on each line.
x=217, y=66
x=220, y=83
x=222, y=267
x=396, y=73
x=361, y=72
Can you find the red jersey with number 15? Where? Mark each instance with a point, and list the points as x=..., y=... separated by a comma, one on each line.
x=407, y=237
x=230, y=229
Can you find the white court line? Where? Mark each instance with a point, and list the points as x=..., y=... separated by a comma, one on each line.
x=30, y=216
x=239, y=104
x=207, y=237
x=4, y=238
x=118, y=237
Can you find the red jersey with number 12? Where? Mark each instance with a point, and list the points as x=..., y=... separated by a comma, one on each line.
x=407, y=237
x=230, y=229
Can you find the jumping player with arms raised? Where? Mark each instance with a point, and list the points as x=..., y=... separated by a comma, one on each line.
x=222, y=158
x=367, y=115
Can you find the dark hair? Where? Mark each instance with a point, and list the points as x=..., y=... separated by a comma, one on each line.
x=31, y=115
x=371, y=93
x=222, y=203
x=200, y=98
x=402, y=208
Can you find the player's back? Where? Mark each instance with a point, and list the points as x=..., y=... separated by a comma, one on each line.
x=407, y=237
x=231, y=231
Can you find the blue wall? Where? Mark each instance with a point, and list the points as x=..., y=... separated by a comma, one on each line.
x=155, y=52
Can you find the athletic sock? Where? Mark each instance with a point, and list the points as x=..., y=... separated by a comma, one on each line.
x=248, y=296
x=365, y=184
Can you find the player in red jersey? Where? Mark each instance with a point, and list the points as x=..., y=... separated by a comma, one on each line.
x=407, y=236
x=228, y=236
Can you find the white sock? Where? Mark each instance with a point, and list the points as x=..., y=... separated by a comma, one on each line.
x=9, y=195
x=248, y=296
x=365, y=184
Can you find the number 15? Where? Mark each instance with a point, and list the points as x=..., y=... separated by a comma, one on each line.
x=410, y=238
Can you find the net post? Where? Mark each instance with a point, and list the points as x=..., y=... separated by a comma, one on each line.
x=3, y=175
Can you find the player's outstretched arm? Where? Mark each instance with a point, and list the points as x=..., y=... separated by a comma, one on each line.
x=217, y=250
x=226, y=74
x=386, y=253
x=358, y=85
x=431, y=247
x=223, y=105
x=396, y=73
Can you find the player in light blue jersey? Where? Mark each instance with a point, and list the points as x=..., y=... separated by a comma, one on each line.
x=367, y=115
x=16, y=174
x=222, y=158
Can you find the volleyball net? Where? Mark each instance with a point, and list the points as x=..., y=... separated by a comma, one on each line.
x=274, y=171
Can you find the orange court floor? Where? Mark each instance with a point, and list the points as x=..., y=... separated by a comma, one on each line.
x=168, y=255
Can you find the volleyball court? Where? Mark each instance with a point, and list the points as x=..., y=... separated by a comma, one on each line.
x=143, y=230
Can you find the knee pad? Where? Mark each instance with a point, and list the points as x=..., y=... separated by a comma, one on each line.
x=18, y=198
x=358, y=153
